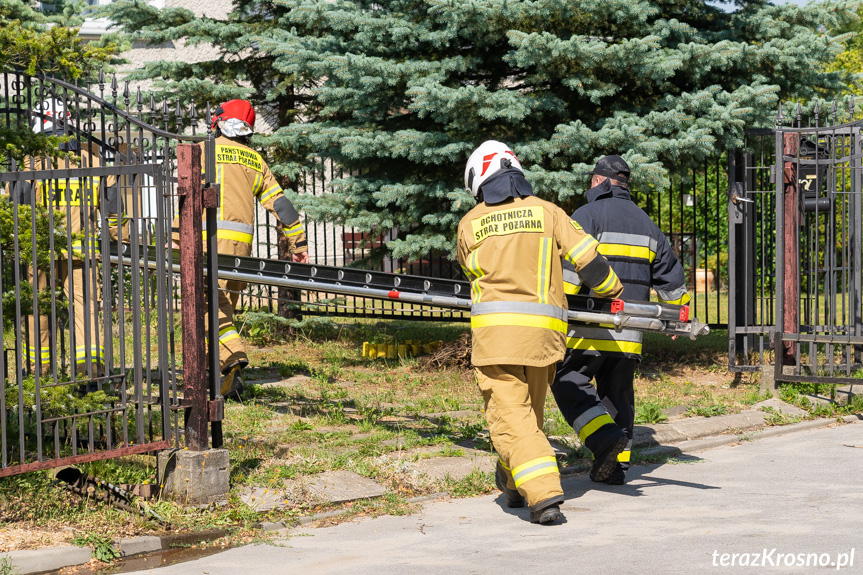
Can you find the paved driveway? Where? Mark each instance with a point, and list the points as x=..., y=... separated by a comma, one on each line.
x=797, y=494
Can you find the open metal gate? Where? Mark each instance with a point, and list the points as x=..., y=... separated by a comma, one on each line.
x=796, y=224
x=97, y=373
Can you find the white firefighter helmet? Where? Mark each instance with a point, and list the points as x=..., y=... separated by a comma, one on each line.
x=490, y=158
x=47, y=114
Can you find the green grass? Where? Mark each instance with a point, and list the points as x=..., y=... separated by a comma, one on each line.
x=649, y=412
x=555, y=424
x=102, y=545
x=707, y=410
x=773, y=416
x=709, y=307
x=712, y=307
x=475, y=483
x=704, y=351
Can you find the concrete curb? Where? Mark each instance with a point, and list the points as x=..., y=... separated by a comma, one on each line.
x=695, y=445
x=39, y=560
x=28, y=562
x=682, y=430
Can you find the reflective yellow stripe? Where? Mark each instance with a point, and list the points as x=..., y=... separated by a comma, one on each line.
x=228, y=333
x=603, y=345
x=607, y=284
x=270, y=192
x=580, y=248
x=682, y=301
x=93, y=242
x=470, y=276
x=623, y=250
x=533, y=469
x=232, y=235
x=593, y=425
x=259, y=183
x=95, y=352
x=517, y=320
x=78, y=248
x=570, y=288
x=222, y=188
x=473, y=263
x=542, y=281
x=294, y=230
x=623, y=456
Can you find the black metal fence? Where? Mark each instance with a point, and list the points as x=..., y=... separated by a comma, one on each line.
x=692, y=212
x=337, y=245
x=90, y=368
x=796, y=250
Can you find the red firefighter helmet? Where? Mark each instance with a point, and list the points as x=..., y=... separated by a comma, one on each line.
x=235, y=118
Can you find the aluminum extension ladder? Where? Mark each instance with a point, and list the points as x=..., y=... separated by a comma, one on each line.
x=424, y=291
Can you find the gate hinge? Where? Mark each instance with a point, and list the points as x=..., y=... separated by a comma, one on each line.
x=216, y=410
x=211, y=197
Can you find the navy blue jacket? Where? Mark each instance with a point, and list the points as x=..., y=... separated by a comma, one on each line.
x=640, y=255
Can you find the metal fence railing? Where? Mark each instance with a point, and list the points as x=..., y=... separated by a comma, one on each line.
x=797, y=248
x=336, y=245
x=692, y=212
x=91, y=368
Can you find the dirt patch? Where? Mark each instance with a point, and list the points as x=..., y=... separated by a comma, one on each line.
x=19, y=538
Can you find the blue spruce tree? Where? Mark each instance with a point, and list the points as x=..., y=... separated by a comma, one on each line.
x=401, y=92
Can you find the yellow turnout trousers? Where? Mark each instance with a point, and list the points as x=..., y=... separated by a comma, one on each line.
x=85, y=306
x=514, y=408
x=231, y=348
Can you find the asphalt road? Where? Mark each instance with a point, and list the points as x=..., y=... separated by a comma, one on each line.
x=777, y=503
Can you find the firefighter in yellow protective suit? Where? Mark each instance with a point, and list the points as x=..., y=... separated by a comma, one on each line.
x=243, y=177
x=511, y=247
x=74, y=203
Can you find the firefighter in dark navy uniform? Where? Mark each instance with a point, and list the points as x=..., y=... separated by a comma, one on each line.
x=638, y=251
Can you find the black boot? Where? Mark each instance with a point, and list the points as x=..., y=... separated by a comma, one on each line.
x=617, y=477
x=512, y=496
x=547, y=511
x=605, y=461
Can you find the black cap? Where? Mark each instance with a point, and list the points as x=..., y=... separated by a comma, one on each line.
x=611, y=167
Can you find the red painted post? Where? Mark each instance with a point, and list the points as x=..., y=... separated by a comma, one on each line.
x=192, y=289
x=792, y=247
